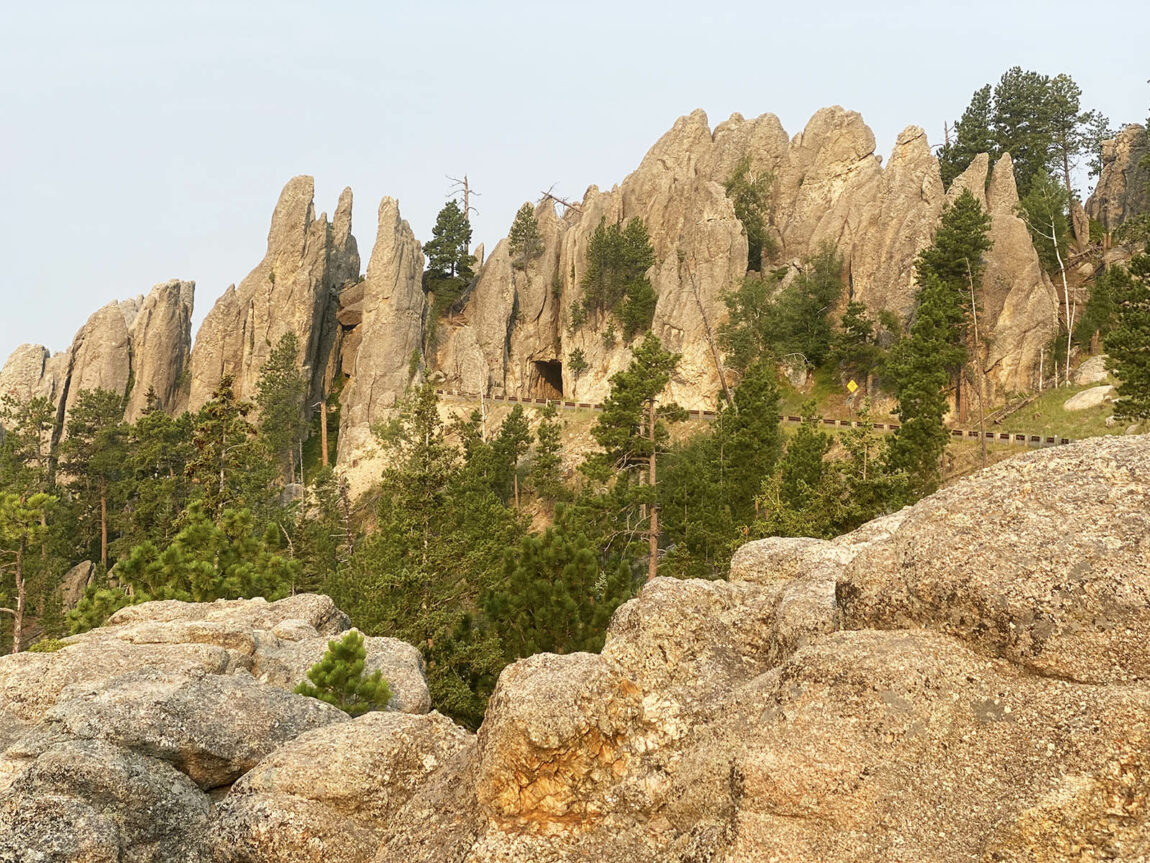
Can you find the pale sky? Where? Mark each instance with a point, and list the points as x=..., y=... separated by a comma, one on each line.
x=143, y=141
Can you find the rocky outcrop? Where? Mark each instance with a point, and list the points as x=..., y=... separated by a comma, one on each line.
x=386, y=313
x=930, y=687
x=292, y=289
x=1123, y=188
x=161, y=342
x=329, y=794
x=966, y=679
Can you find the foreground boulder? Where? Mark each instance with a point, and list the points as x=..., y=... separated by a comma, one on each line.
x=329, y=794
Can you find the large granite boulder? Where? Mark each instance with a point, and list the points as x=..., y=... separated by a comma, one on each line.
x=331, y=793
x=1122, y=191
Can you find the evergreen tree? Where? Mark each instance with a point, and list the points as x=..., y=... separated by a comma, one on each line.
x=750, y=329
x=157, y=488
x=1101, y=312
x=447, y=250
x=920, y=366
x=25, y=444
x=546, y=473
x=749, y=193
x=855, y=348
x=94, y=454
x=554, y=597
x=339, y=678
x=207, y=560
x=1022, y=122
x=524, y=242
x=972, y=135
x=631, y=430
x=22, y=524
x=1045, y=210
x=801, y=468
x=280, y=395
x=1128, y=344
x=615, y=281
x=229, y=465
x=954, y=260
x=510, y=445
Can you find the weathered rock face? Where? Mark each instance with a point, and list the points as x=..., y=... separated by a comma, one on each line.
x=930, y=687
x=329, y=794
x=1122, y=187
x=387, y=313
x=161, y=342
x=828, y=188
x=24, y=375
x=291, y=290
x=109, y=744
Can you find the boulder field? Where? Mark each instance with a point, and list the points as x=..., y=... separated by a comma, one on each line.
x=967, y=679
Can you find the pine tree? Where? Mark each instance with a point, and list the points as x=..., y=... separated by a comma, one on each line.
x=920, y=366
x=524, y=242
x=972, y=135
x=1128, y=344
x=510, y=445
x=801, y=468
x=447, y=250
x=615, y=281
x=749, y=193
x=280, y=395
x=545, y=476
x=94, y=454
x=631, y=430
x=554, y=597
x=22, y=520
x=855, y=348
x=229, y=465
x=339, y=678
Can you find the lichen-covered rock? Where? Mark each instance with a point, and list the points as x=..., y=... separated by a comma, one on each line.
x=330, y=794
x=286, y=664
x=213, y=728
x=90, y=802
x=554, y=742
x=1043, y=559
x=314, y=609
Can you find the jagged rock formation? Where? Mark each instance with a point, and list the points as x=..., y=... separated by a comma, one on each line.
x=384, y=318
x=292, y=289
x=968, y=678
x=829, y=187
x=1018, y=304
x=131, y=347
x=1123, y=188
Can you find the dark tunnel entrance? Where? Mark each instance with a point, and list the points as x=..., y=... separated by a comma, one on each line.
x=547, y=379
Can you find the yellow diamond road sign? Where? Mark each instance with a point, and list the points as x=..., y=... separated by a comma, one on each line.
x=852, y=386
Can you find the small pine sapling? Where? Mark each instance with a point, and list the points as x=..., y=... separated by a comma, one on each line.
x=339, y=678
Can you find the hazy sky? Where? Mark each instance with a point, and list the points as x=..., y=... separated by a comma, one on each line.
x=142, y=141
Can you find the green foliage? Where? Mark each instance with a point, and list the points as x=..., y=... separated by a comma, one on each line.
x=447, y=255
x=855, y=347
x=1044, y=209
x=96, y=605
x=442, y=533
x=920, y=366
x=524, y=242
x=48, y=645
x=546, y=474
x=764, y=319
x=1034, y=117
x=280, y=395
x=1128, y=344
x=93, y=456
x=954, y=260
x=1101, y=311
x=577, y=362
x=750, y=195
x=615, y=281
x=554, y=596
x=339, y=678
x=229, y=465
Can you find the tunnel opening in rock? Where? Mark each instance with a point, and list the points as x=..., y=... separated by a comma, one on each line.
x=547, y=379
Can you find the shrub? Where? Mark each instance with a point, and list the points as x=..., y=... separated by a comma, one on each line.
x=339, y=679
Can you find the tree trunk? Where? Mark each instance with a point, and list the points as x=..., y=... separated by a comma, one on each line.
x=18, y=617
x=323, y=431
x=515, y=482
x=653, y=529
x=104, y=524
